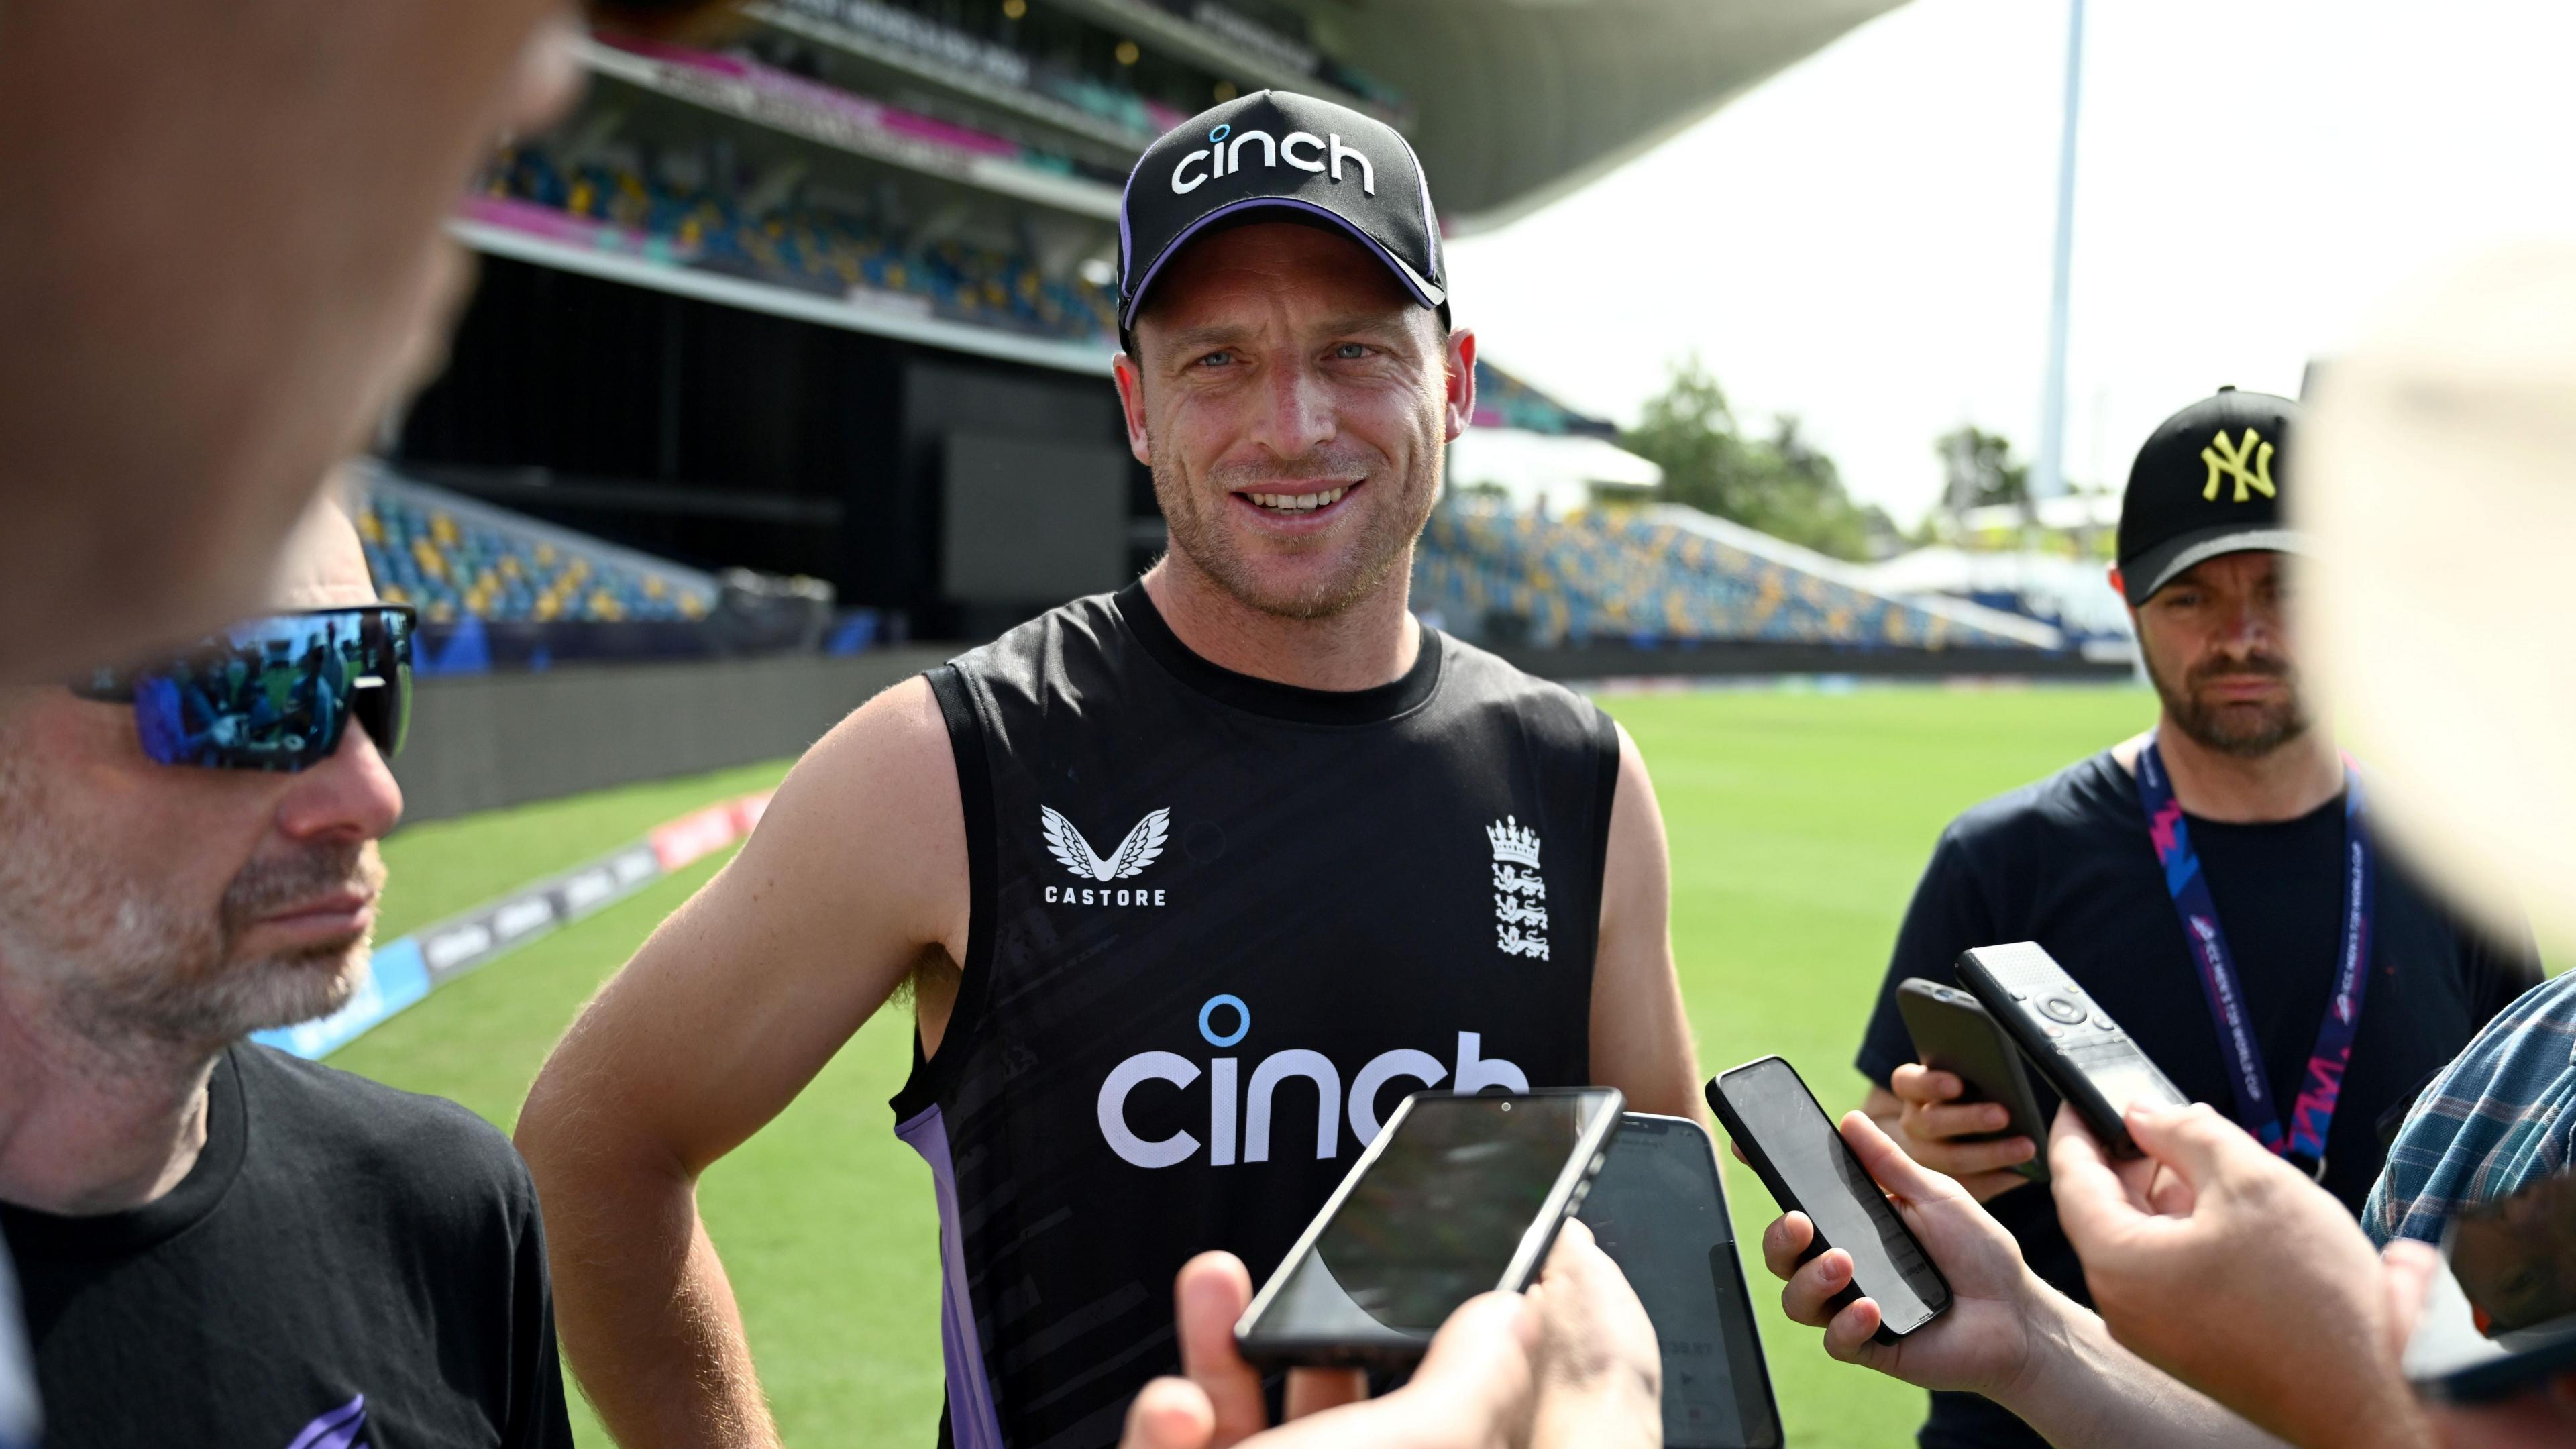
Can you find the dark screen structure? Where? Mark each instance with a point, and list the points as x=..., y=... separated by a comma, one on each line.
x=1658, y=1211
x=1848, y=1209
x=1437, y=1216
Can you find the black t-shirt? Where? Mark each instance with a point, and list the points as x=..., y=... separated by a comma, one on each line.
x=345, y=1266
x=2067, y=863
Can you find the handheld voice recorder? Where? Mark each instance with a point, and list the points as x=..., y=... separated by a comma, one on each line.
x=2067, y=1035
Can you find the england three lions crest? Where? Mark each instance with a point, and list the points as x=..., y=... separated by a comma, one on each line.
x=1520, y=894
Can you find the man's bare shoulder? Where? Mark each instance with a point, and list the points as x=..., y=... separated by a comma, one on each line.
x=892, y=739
x=871, y=816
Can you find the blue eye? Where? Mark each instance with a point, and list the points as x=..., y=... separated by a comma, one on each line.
x=1351, y=351
x=1216, y=359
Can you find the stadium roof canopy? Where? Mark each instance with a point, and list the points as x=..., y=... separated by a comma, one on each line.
x=1518, y=102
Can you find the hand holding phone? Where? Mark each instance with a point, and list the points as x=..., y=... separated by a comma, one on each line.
x=1998, y=1310
x=2226, y=1267
x=1457, y=1196
x=1592, y=1353
x=1953, y=1034
x=1801, y=1157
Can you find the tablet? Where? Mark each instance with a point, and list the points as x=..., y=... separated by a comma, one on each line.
x=1658, y=1210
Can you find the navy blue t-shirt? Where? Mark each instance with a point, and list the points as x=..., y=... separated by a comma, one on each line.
x=2067, y=863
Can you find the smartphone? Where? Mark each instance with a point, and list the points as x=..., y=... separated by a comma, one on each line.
x=1952, y=1033
x=1799, y=1154
x=2502, y=1319
x=1457, y=1196
x=2075, y=1044
x=1659, y=1210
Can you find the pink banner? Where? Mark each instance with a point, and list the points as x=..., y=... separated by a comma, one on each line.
x=699, y=834
x=830, y=99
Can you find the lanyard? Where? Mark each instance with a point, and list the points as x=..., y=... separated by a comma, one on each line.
x=2314, y=1110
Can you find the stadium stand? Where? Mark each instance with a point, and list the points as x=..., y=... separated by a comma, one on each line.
x=808, y=245
x=454, y=558
x=757, y=289
x=1651, y=577
x=1048, y=77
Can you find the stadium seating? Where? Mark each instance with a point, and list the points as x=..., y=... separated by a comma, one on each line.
x=453, y=560
x=809, y=247
x=1615, y=575
x=1008, y=55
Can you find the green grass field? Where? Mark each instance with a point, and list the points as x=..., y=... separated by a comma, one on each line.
x=1798, y=823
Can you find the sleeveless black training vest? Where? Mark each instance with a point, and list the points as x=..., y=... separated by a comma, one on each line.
x=1220, y=926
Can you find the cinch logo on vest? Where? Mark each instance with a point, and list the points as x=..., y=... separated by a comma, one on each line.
x=1520, y=912
x=1141, y=848
x=1230, y=1104
x=2231, y=458
x=1224, y=157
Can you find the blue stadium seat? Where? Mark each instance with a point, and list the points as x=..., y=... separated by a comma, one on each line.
x=1616, y=576
x=452, y=567
x=811, y=247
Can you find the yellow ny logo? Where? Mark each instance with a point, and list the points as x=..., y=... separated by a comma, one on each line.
x=2230, y=459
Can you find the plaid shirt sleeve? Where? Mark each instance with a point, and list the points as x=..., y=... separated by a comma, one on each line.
x=2499, y=1116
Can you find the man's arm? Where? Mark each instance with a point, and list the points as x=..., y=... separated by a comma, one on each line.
x=2207, y=1217
x=856, y=876
x=2007, y=1335
x=1641, y=1040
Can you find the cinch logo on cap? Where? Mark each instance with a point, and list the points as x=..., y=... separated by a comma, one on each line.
x=2230, y=459
x=1223, y=156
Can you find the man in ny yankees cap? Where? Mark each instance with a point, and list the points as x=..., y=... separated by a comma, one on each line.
x=2213, y=883
x=1186, y=885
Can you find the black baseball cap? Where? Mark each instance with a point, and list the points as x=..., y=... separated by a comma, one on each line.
x=1277, y=155
x=2207, y=482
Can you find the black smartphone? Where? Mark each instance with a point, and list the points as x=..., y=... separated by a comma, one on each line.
x=1457, y=1196
x=1659, y=1210
x=2502, y=1319
x=2075, y=1044
x=1799, y=1154
x=1953, y=1034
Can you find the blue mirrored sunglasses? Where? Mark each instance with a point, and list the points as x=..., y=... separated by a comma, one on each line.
x=274, y=693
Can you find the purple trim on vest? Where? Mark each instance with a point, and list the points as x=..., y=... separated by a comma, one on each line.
x=973, y=1422
x=338, y=1429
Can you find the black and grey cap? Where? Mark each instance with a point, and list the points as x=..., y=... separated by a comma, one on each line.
x=1276, y=151
x=2207, y=482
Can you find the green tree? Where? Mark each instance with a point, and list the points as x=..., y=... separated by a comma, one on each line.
x=1978, y=469
x=1782, y=484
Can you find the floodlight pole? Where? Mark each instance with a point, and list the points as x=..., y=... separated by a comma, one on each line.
x=2049, y=476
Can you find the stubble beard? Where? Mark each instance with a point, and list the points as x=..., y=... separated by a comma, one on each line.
x=137, y=975
x=2245, y=732
x=1193, y=508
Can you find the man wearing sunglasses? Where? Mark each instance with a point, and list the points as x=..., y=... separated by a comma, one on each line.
x=218, y=1242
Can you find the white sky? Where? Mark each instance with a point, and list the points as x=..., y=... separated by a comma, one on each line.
x=1864, y=240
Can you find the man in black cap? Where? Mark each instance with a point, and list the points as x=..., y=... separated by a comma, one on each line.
x=1191, y=883
x=2214, y=882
